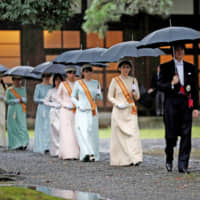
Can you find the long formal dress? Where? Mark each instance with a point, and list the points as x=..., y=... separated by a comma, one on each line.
x=125, y=143
x=42, y=124
x=86, y=124
x=2, y=117
x=16, y=119
x=69, y=148
x=51, y=101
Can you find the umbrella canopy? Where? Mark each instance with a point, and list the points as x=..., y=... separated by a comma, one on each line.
x=100, y=64
x=41, y=67
x=60, y=68
x=68, y=57
x=80, y=56
x=168, y=36
x=127, y=49
x=3, y=69
x=53, y=68
x=90, y=55
x=23, y=71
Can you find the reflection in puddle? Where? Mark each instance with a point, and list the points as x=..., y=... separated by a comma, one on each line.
x=68, y=194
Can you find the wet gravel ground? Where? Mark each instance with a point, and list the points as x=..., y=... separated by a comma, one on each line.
x=145, y=182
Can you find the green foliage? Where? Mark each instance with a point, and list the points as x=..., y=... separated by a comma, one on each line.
x=103, y=11
x=49, y=14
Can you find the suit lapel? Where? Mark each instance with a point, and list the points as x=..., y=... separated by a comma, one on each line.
x=173, y=67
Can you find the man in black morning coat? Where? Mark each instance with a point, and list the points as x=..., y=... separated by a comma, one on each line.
x=178, y=80
x=159, y=96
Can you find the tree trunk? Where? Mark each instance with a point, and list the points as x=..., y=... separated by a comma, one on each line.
x=32, y=53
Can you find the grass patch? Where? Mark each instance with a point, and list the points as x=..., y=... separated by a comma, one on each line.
x=144, y=133
x=19, y=193
x=150, y=133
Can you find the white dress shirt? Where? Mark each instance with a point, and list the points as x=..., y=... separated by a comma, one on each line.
x=180, y=70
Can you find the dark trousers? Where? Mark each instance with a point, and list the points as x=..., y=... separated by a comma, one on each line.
x=160, y=97
x=184, y=150
x=178, y=122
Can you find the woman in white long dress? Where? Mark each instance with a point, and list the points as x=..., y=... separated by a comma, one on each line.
x=84, y=95
x=68, y=148
x=52, y=101
x=125, y=143
x=2, y=113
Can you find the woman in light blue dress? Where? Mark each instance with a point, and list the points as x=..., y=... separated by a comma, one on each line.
x=42, y=123
x=84, y=95
x=16, y=99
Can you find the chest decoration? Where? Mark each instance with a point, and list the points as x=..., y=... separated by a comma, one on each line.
x=188, y=88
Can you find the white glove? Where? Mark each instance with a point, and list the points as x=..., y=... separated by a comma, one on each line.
x=81, y=108
x=98, y=91
x=16, y=100
x=68, y=106
x=56, y=105
x=121, y=106
x=41, y=101
x=134, y=88
x=23, y=99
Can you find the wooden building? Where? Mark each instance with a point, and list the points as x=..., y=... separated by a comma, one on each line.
x=29, y=45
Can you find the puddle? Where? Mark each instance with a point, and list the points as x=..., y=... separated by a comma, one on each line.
x=68, y=194
x=65, y=194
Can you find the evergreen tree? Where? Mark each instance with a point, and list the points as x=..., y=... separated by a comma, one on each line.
x=103, y=11
x=48, y=14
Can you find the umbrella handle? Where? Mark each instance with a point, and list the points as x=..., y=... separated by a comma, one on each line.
x=173, y=52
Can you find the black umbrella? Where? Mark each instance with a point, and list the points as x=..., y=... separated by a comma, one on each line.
x=90, y=55
x=23, y=71
x=53, y=68
x=79, y=56
x=68, y=57
x=127, y=49
x=60, y=68
x=169, y=36
x=41, y=67
x=3, y=69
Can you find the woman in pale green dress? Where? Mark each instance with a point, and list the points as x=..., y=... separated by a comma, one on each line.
x=16, y=99
x=84, y=95
x=2, y=113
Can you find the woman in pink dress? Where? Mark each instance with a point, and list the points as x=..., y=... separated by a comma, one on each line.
x=68, y=147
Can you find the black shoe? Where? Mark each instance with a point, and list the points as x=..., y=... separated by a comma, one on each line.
x=24, y=148
x=20, y=148
x=169, y=167
x=184, y=170
x=86, y=158
x=137, y=164
x=46, y=151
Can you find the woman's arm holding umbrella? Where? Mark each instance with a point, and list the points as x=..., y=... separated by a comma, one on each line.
x=111, y=93
x=36, y=96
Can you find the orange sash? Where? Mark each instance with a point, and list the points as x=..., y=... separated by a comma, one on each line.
x=69, y=90
x=126, y=93
x=18, y=97
x=89, y=96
